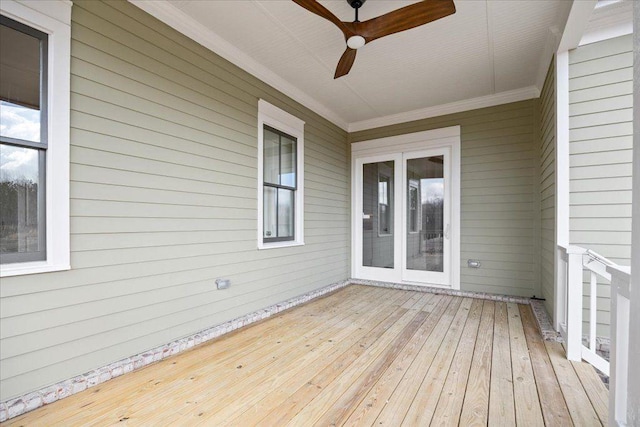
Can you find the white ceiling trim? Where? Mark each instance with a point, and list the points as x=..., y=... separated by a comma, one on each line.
x=454, y=107
x=183, y=23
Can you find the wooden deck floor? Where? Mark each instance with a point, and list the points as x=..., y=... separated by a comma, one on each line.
x=361, y=356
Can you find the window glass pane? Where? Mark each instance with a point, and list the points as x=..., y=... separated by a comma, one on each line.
x=377, y=218
x=285, y=213
x=383, y=190
x=288, y=162
x=271, y=156
x=19, y=85
x=413, y=206
x=384, y=197
x=270, y=212
x=19, y=193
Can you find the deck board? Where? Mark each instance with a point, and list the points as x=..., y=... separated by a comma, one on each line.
x=554, y=408
x=369, y=408
x=501, y=403
x=525, y=393
x=475, y=408
x=361, y=356
x=449, y=406
x=424, y=404
x=595, y=389
x=396, y=406
x=580, y=407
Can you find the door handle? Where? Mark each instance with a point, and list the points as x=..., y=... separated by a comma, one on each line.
x=446, y=231
x=366, y=216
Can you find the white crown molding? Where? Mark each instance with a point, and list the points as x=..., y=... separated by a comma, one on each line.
x=454, y=107
x=180, y=21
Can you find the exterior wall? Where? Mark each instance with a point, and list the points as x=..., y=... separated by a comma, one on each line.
x=547, y=132
x=601, y=138
x=499, y=206
x=163, y=202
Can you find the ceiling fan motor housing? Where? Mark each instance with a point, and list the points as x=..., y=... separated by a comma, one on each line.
x=356, y=4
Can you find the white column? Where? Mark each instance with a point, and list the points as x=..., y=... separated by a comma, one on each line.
x=633, y=378
x=562, y=183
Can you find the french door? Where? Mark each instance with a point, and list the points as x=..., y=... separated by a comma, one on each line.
x=403, y=216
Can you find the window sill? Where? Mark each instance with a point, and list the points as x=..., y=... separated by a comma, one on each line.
x=20, y=269
x=279, y=245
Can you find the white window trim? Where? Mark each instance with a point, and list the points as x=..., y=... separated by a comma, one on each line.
x=270, y=115
x=54, y=19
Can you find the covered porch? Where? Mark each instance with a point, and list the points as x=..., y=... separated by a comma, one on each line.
x=363, y=355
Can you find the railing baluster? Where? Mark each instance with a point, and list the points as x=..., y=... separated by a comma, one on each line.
x=593, y=311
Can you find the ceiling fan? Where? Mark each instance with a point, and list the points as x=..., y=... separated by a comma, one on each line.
x=357, y=33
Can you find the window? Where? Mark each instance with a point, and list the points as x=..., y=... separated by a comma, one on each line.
x=279, y=187
x=34, y=136
x=23, y=142
x=280, y=177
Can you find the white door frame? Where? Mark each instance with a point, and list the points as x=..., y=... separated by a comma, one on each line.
x=413, y=142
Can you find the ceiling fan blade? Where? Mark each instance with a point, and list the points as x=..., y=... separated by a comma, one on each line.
x=315, y=7
x=405, y=18
x=345, y=63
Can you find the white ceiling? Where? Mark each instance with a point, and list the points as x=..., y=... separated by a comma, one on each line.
x=490, y=50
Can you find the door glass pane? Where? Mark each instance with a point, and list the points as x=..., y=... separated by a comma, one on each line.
x=288, y=160
x=271, y=156
x=20, y=195
x=19, y=85
x=425, y=238
x=377, y=206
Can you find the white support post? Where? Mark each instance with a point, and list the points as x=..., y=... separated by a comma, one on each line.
x=574, y=303
x=633, y=374
x=562, y=183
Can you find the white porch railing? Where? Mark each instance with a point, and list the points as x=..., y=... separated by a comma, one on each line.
x=577, y=262
x=620, y=295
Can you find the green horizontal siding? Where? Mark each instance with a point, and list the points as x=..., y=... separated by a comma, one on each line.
x=601, y=134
